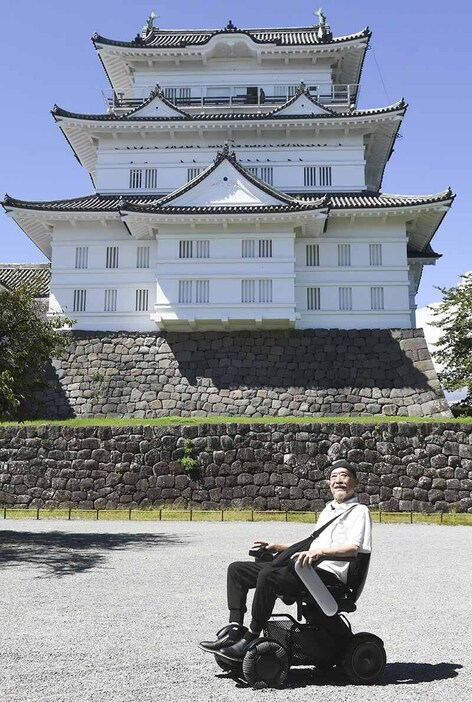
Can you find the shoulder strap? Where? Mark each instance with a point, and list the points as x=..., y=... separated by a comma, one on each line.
x=317, y=532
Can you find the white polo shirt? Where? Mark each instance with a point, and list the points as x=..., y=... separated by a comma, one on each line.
x=353, y=528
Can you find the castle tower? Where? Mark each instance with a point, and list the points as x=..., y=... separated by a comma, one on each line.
x=237, y=186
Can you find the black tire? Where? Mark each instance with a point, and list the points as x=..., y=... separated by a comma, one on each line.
x=265, y=664
x=364, y=659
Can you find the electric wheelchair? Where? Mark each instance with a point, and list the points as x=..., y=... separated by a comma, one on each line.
x=320, y=636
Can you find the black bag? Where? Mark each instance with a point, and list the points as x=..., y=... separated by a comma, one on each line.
x=284, y=558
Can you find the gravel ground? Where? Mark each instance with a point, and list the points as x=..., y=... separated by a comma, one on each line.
x=95, y=611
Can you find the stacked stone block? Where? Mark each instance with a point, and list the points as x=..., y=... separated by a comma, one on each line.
x=401, y=466
x=288, y=373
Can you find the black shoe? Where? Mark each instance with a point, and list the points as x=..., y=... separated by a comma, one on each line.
x=237, y=651
x=225, y=637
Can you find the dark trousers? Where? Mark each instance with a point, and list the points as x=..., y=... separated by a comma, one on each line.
x=269, y=581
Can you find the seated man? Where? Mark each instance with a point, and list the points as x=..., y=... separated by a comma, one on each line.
x=345, y=529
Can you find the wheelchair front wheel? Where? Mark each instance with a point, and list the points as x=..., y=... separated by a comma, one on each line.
x=265, y=664
x=364, y=659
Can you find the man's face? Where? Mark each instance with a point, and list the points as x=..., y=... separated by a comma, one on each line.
x=342, y=484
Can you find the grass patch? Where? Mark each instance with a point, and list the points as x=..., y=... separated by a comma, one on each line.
x=169, y=514
x=172, y=421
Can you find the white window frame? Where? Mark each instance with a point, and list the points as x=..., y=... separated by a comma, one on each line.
x=344, y=254
x=142, y=300
x=80, y=300
x=143, y=179
x=265, y=173
x=81, y=257
x=312, y=255
x=112, y=257
x=193, y=172
x=345, y=298
x=256, y=291
x=377, y=301
x=313, y=298
x=110, y=300
x=142, y=256
x=248, y=248
x=375, y=254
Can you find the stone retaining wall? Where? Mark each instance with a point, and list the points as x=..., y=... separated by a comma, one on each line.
x=404, y=466
x=287, y=373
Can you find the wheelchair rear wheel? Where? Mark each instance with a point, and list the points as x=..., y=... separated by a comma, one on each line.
x=364, y=659
x=265, y=664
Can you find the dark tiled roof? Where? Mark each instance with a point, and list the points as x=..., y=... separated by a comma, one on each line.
x=37, y=275
x=179, y=39
x=227, y=117
x=426, y=253
x=336, y=201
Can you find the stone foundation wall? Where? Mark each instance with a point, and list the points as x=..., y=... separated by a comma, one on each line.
x=287, y=373
x=401, y=466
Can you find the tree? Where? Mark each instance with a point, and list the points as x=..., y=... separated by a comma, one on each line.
x=28, y=339
x=454, y=348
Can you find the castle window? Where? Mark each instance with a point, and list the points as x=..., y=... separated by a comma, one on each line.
x=202, y=292
x=312, y=255
x=142, y=300
x=375, y=254
x=344, y=254
x=265, y=248
x=142, y=257
x=194, y=291
x=345, y=298
x=265, y=173
x=143, y=178
x=248, y=248
x=112, y=257
x=110, y=300
x=377, y=298
x=80, y=300
x=81, y=257
x=193, y=172
x=313, y=298
x=253, y=291
x=314, y=176
x=194, y=249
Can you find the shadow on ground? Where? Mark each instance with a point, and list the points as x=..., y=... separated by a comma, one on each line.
x=60, y=553
x=395, y=674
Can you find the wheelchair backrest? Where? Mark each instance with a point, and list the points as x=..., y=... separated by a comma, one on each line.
x=357, y=574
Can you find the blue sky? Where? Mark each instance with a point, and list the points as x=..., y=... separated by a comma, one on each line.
x=421, y=50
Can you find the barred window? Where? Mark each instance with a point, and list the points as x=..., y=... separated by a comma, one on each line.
x=313, y=296
x=265, y=291
x=142, y=257
x=81, y=257
x=202, y=248
x=193, y=172
x=317, y=176
x=202, y=291
x=109, y=304
x=324, y=176
x=194, y=291
x=143, y=178
x=112, y=257
x=185, y=249
x=345, y=298
x=312, y=254
x=248, y=291
x=377, y=298
x=248, y=248
x=265, y=173
x=185, y=292
x=375, y=254
x=142, y=300
x=80, y=300
x=344, y=254
x=309, y=176
x=265, y=248
x=253, y=291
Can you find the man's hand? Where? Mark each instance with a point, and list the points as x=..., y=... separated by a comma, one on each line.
x=307, y=558
x=269, y=546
